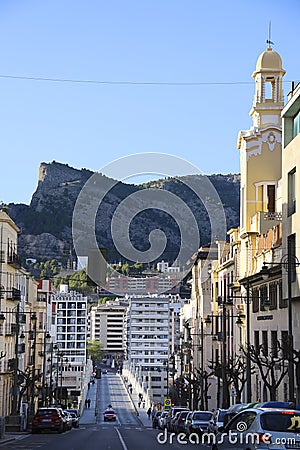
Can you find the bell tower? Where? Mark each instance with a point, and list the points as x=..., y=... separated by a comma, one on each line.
x=268, y=98
x=260, y=155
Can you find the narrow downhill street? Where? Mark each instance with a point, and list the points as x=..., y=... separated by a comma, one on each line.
x=131, y=431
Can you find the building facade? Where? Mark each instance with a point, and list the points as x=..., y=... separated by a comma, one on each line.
x=69, y=326
x=107, y=326
x=147, y=344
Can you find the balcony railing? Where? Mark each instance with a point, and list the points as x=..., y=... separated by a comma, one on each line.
x=12, y=294
x=13, y=259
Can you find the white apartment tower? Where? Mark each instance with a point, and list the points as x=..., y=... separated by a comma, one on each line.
x=148, y=342
x=69, y=325
x=107, y=326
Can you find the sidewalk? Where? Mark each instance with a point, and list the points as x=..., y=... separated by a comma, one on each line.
x=9, y=437
x=140, y=411
x=88, y=414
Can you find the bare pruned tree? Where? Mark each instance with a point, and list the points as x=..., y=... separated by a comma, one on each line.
x=270, y=365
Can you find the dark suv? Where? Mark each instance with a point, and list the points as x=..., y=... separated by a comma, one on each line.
x=48, y=419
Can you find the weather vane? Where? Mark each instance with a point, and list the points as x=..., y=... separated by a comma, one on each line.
x=269, y=38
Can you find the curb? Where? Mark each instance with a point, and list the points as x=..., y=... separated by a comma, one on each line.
x=5, y=441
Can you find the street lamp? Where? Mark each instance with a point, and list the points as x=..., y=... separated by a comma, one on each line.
x=222, y=373
x=19, y=319
x=33, y=319
x=47, y=338
x=289, y=262
x=59, y=377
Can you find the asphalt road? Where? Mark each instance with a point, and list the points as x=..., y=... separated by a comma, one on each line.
x=127, y=433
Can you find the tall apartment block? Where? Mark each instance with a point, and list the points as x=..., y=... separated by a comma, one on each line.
x=69, y=320
x=107, y=326
x=147, y=338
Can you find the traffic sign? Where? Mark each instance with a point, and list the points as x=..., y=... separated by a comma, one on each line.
x=167, y=403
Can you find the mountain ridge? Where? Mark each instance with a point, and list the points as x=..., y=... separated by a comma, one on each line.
x=46, y=223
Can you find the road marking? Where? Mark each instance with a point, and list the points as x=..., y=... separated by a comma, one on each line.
x=121, y=439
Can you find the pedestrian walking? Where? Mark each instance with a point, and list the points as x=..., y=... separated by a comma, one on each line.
x=130, y=390
x=144, y=404
x=86, y=402
x=139, y=404
x=89, y=385
x=149, y=413
x=89, y=402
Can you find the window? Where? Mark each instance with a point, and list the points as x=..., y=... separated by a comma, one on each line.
x=296, y=124
x=265, y=342
x=282, y=301
x=263, y=297
x=273, y=295
x=256, y=340
x=291, y=243
x=246, y=418
x=255, y=300
x=291, y=192
x=271, y=197
x=274, y=344
x=285, y=344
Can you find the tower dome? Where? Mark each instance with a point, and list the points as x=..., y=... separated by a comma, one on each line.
x=268, y=61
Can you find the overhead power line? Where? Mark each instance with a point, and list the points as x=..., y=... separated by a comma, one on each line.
x=122, y=82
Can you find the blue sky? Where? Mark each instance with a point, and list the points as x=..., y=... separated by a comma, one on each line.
x=160, y=41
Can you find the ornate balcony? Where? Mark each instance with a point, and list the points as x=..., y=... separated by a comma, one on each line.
x=13, y=259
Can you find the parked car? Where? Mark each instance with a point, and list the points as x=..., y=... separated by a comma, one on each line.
x=187, y=422
x=260, y=428
x=172, y=413
x=217, y=420
x=109, y=415
x=68, y=422
x=74, y=416
x=155, y=419
x=174, y=421
x=162, y=420
x=234, y=410
x=198, y=422
x=179, y=422
x=75, y=411
x=48, y=419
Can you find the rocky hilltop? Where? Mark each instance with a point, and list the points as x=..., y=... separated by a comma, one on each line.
x=46, y=224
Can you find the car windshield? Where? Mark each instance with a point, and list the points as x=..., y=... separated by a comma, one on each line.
x=202, y=416
x=286, y=421
x=222, y=415
x=46, y=411
x=109, y=411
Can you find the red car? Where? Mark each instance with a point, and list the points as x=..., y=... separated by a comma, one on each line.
x=48, y=419
x=109, y=415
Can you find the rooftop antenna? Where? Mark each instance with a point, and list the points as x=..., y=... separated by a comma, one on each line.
x=269, y=42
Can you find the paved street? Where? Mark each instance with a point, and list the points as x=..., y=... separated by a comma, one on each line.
x=129, y=432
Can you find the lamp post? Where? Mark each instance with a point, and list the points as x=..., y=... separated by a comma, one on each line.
x=289, y=262
x=47, y=337
x=16, y=354
x=33, y=319
x=223, y=369
x=248, y=334
x=59, y=355
x=59, y=373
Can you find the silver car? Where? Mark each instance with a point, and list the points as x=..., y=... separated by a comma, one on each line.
x=162, y=420
x=198, y=422
x=259, y=428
